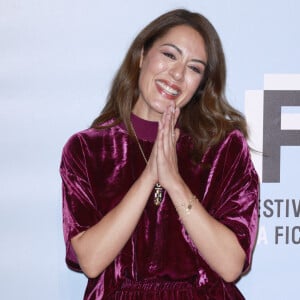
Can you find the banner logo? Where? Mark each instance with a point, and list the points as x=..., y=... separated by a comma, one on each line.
x=273, y=116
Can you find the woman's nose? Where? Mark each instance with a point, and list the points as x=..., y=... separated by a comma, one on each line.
x=177, y=71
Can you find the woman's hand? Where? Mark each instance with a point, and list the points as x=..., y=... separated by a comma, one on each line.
x=166, y=156
x=162, y=164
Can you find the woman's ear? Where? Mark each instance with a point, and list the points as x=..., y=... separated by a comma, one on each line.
x=141, y=58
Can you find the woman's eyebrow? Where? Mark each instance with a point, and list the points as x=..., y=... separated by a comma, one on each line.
x=180, y=52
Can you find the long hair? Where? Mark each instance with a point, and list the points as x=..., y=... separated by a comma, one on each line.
x=207, y=117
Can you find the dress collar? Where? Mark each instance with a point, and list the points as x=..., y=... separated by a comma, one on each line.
x=144, y=129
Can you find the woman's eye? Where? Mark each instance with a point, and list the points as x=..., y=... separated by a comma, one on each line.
x=195, y=69
x=169, y=55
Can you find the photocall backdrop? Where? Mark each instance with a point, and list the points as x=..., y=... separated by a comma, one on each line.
x=57, y=59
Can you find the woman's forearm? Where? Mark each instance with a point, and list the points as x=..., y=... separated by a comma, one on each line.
x=216, y=243
x=97, y=247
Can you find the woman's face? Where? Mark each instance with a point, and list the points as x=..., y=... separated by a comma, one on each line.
x=170, y=72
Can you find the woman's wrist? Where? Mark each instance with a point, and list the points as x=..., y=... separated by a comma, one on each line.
x=182, y=197
x=148, y=177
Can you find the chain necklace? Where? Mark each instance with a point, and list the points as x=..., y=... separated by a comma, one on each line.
x=158, y=190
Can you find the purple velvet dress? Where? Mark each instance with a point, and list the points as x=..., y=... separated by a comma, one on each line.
x=159, y=261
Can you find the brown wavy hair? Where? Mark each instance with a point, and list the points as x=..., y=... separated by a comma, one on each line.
x=207, y=117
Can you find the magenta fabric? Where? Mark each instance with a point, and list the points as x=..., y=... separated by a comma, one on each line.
x=159, y=261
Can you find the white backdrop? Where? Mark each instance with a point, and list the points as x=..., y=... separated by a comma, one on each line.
x=57, y=59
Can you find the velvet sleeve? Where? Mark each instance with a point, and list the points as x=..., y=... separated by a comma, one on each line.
x=79, y=208
x=233, y=190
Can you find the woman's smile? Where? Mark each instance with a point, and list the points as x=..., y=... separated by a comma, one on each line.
x=167, y=89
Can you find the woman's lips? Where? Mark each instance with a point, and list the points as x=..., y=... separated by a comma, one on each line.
x=170, y=91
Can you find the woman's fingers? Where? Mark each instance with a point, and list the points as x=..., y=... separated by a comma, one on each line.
x=166, y=147
x=167, y=130
x=171, y=136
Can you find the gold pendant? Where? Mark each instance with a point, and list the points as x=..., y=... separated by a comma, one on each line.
x=158, y=194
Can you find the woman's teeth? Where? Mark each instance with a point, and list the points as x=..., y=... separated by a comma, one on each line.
x=167, y=88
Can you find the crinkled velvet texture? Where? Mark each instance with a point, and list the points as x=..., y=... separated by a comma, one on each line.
x=159, y=261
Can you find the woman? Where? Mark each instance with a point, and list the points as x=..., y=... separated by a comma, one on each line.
x=160, y=198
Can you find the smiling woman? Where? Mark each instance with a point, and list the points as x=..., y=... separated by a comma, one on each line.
x=160, y=197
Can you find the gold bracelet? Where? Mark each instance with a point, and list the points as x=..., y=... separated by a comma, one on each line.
x=187, y=208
